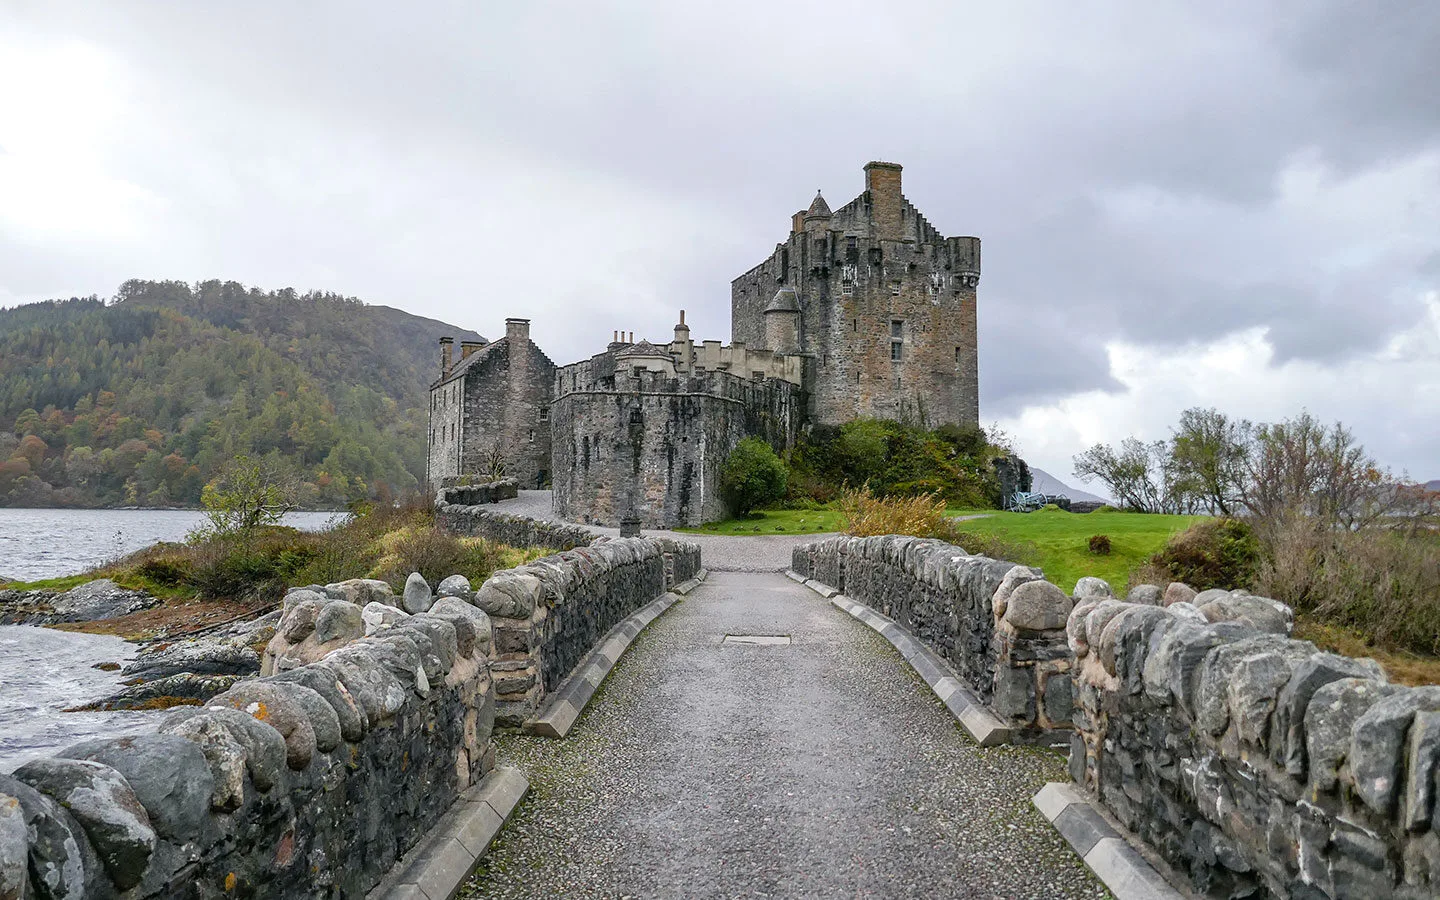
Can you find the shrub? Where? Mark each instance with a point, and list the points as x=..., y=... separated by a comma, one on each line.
x=1383, y=582
x=869, y=515
x=1100, y=544
x=437, y=555
x=1217, y=553
x=752, y=477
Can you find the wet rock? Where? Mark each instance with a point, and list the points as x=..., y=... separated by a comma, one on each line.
x=174, y=690
x=379, y=616
x=509, y=594
x=455, y=586
x=1309, y=676
x=100, y=599
x=1148, y=594
x=1012, y=579
x=337, y=622
x=105, y=806
x=264, y=746
x=454, y=610
x=62, y=863
x=1177, y=592
x=361, y=591
x=1377, y=745
x=14, y=850
x=1091, y=588
x=309, y=632
x=417, y=594
x=296, y=596
x=1332, y=712
x=1038, y=606
x=223, y=752
x=378, y=692
x=278, y=708
x=194, y=657
x=168, y=774
x=328, y=685
x=1259, y=613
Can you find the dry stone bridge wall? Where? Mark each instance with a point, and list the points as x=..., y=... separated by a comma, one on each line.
x=1252, y=763
x=313, y=780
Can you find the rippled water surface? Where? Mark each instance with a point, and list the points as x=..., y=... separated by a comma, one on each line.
x=43, y=671
x=49, y=543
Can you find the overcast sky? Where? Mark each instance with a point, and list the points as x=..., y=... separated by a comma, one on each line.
x=1228, y=204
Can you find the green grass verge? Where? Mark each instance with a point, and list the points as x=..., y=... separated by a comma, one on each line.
x=1062, y=541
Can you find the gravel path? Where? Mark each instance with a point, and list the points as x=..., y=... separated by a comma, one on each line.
x=821, y=769
x=719, y=553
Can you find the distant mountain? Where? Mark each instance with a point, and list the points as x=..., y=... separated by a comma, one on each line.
x=1433, y=485
x=1045, y=483
x=138, y=401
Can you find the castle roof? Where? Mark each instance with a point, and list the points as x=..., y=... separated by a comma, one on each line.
x=818, y=208
x=643, y=348
x=784, y=301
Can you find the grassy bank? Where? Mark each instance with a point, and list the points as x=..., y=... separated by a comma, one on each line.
x=215, y=579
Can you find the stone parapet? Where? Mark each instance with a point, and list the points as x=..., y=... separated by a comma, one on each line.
x=514, y=531
x=453, y=491
x=1252, y=763
x=1001, y=627
x=310, y=782
x=548, y=614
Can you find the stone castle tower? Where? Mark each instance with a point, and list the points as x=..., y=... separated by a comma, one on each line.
x=879, y=303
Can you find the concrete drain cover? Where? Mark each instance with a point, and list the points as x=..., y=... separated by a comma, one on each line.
x=762, y=640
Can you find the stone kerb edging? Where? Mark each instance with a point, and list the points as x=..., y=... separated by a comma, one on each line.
x=1120, y=867
x=1251, y=762
x=504, y=528
x=549, y=613
x=437, y=867
x=452, y=492
x=304, y=783
x=1000, y=627
x=968, y=710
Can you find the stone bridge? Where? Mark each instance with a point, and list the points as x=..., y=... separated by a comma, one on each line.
x=816, y=717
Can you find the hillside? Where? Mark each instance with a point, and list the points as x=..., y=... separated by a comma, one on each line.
x=138, y=401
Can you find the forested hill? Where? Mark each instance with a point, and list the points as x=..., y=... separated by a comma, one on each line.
x=138, y=401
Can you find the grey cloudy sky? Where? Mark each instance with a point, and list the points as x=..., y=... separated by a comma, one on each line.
x=1231, y=203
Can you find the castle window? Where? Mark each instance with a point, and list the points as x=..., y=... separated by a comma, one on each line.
x=635, y=417
x=847, y=288
x=894, y=288
x=897, y=329
x=532, y=435
x=544, y=413
x=895, y=350
x=852, y=250
x=857, y=377
x=957, y=355
x=639, y=370
x=758, y=376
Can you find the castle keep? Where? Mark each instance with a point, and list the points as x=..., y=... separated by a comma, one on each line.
x=864, y=311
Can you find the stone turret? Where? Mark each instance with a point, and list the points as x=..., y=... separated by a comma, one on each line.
x=782, y=322
x=681, y=348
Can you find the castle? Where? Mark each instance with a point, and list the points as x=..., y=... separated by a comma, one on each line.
x=864, y=311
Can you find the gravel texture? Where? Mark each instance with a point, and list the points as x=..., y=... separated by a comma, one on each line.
x=819, y=769
x=718, y=553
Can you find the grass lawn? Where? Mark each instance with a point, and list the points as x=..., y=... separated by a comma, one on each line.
x=1062, y=541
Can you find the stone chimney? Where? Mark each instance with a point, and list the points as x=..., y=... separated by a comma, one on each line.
x=517, y=331
x=684, y=350
x=797, y=222
x=469, y=347
x=447, y=355
x=882, y=183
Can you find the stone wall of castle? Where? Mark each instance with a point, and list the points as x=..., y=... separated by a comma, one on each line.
x=496, y=398
x=887, y=308
x=655, y=443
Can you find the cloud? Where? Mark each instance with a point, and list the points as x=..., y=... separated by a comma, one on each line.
x=1161, y=176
